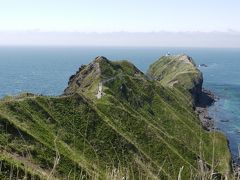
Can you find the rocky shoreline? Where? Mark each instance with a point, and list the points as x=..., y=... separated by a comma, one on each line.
x=206, y=99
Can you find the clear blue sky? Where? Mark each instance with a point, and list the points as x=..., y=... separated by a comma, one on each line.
x=120, y=15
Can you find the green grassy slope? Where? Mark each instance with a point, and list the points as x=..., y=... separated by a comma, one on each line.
x=137, y=129
x=178, y=71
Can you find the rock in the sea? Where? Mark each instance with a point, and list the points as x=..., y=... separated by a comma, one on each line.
x=224, y=120
x=202, y=65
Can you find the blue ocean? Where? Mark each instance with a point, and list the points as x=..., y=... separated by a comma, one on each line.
x=46, y=70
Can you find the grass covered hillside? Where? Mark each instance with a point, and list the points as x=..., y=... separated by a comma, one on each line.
x=179, y=71
x=112, y=122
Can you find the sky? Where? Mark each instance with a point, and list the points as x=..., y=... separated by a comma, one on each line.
x=46, y=18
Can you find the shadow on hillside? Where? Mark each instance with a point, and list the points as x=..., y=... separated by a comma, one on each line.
x=206, y=99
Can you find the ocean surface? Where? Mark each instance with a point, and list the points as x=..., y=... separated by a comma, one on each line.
x=46, y=70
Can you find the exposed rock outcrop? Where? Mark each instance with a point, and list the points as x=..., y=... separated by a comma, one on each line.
x=86, y=77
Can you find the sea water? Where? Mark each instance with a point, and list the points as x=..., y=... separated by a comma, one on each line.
x=46, y=70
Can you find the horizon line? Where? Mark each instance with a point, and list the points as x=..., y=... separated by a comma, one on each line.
x=120, y=31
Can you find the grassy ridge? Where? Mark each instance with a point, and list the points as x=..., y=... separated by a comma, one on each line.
x=137, y=129
x=178, y=71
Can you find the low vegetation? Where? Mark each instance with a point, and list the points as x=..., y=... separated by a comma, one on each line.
x=141, y=128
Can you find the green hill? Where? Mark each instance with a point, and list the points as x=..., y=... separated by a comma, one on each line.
x=179, y=71
x=112, y=122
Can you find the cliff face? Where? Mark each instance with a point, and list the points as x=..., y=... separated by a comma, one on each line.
x=178, y=71
x=111, y=121
x=85, y=78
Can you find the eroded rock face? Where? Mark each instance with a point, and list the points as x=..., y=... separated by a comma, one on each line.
x=85, y=78
x=196, y=90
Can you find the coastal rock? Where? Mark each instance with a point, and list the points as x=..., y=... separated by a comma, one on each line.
x=205, y=99
x=180, y=71
x=224, y=120
x=203, y=65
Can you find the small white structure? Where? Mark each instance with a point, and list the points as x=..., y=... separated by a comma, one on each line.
x=100, y=91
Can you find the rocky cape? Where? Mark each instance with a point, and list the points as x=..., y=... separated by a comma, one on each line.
x=114, y=122
x=181, y=71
